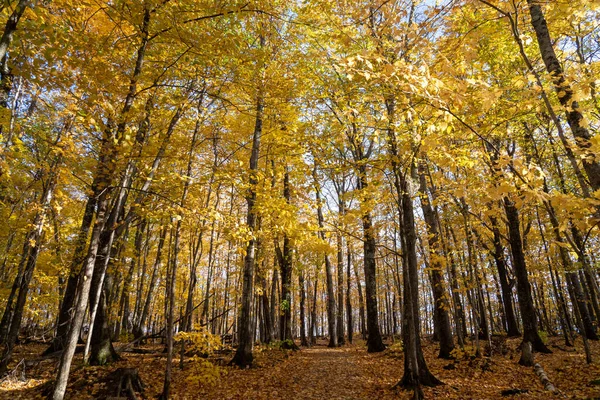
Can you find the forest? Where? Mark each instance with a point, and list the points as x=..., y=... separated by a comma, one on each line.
x=309, y=199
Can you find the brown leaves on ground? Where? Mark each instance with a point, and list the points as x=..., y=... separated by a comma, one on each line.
x=322, y=373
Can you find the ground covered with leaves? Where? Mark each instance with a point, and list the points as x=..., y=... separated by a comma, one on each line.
x=348, y=372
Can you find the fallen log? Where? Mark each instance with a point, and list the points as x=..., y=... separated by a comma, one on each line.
x=544, y=378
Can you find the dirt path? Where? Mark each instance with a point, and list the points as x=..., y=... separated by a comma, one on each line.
x=321, y=373
x=315, y=373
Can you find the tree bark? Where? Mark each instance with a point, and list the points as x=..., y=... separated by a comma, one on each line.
x=528, y=315
x=138, y=331
x=243, y=356
x=442, y=320
x=84, y=284
x=565, y=92
x=374, y=341
x=331, y=308
x=340, y=291
x=285, y=264
x=505, y=285
x=303, y=338
x=11, y=320
x=348, y=286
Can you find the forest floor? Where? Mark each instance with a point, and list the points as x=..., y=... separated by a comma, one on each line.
x=347, y=372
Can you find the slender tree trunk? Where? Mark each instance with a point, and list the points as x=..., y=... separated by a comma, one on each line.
x=243, y=356
x=565, y=93
x=528, y=315
x=361, y=304
x=313, y=312
x=5, y=74
x=331, y=308
x=139, y=328
x=12, y=317
x=505, y=285
x=416, y=372
x=340, y=291
x=266, y=311
x=285, y=263
x=303, y=338
x=374, y=341
x=83, y=289
x=441, y=306
x=348, y=286
x=170, y=311
x=274, y=303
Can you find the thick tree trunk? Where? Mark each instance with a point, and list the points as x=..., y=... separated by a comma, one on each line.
x=68, y=301
x=100, y=337
x=102, y=351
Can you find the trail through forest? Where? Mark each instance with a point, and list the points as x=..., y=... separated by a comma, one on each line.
x=191, y=188
x=320, y=372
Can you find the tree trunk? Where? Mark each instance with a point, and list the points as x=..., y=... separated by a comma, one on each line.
x=83, y=289
x=303, y=338
x=313, y=312
x=528, y=315
x=340, y=292
x=266, y=311
x=331, y=308
x=11, y=320
x=5, y=74
x=416, y=372
x=565, y=93
x=442, y=320
x=243, y=356
x=285, y=263
x=505, y=285
x=348, y=286
x=274, y=302
x=138, y=331
x=374, y=341
x=361, y=304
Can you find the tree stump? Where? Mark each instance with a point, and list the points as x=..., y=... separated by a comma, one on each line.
x=127, y=382
x=526, y=355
